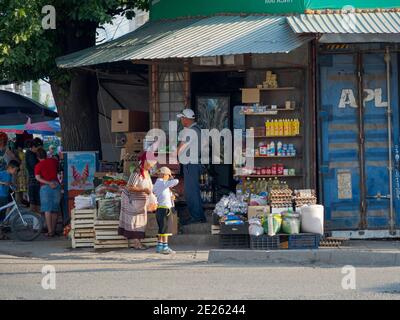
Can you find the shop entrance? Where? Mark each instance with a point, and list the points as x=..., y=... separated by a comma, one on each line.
x=214, y=94
x=354, y=140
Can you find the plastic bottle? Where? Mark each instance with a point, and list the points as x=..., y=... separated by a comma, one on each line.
x=277, y=128
x=293, y=127
x=272, y=149
x=280, y=132
x=297, y=126
x=279, y=148
x=267, y=128
x=285, y=127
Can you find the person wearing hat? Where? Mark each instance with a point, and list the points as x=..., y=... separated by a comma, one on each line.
x=165, y=204
x=192, y=170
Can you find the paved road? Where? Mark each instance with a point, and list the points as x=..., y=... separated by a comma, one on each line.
x=127, y=274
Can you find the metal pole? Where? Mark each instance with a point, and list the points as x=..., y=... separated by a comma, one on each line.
x=389, y=120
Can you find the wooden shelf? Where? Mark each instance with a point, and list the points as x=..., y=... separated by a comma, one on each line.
x=273, y=137
x=274, y=157
x=270, y=112
x=273, y=89
x=266, y=176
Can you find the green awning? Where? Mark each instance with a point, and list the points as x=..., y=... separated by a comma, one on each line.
x=188, y=38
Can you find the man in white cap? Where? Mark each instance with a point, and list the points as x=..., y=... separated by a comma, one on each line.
x=192, y=170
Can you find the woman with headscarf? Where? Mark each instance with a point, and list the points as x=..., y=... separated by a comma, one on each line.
x=135, y=202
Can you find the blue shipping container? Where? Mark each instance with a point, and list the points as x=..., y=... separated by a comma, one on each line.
x=345, y=149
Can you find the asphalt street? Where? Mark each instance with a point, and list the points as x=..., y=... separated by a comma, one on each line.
x=128, y=274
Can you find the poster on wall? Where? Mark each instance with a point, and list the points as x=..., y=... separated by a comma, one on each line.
x=81, y=168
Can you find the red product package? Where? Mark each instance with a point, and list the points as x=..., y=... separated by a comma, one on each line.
x=274, y=170
x=280, y=169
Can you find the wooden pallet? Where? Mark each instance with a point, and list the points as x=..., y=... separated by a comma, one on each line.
x=82, y=228
x=82, y=243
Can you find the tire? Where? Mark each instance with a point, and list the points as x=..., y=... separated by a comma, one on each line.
x=32, y=230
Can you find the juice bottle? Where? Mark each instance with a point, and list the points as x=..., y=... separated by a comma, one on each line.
x=280, y=127
x=268, y=128
x=297, y=126
x=286, y=127
x=293, y=126
x=276, y=129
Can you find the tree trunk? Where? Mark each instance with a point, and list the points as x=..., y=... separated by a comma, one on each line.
x=78, y=110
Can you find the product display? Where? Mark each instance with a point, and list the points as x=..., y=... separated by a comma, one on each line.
x=275, y=149
x=109, y=208
x=304, y=197
x=281, y=197
x=282, y=127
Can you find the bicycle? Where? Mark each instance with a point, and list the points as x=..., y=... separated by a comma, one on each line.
x=26, y=225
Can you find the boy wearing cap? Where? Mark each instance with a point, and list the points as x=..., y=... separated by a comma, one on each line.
x=165, y=203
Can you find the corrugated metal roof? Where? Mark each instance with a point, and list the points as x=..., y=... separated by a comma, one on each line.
x=347, y=23
x=214, y=36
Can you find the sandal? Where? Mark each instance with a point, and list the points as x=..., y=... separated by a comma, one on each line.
x=50, y=235
x=142, y=248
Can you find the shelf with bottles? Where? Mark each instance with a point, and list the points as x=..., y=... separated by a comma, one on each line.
x=274, y=149
x=250, y=186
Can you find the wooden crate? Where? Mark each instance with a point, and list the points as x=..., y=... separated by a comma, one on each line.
x=107, y=237
x=82, y=228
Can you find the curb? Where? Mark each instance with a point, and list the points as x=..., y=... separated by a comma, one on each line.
x=307, y=257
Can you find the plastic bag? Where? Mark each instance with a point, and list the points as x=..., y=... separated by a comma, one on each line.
x=277, y=223
x=83, y=202
x=291, y=223
x=255, y=228
x=152, y=203
x=108, y=209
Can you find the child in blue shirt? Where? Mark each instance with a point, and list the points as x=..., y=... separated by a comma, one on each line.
x=6, y=177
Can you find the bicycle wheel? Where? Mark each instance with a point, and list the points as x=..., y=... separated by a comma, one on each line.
x=29, y=227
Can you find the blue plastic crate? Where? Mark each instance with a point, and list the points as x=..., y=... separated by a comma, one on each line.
x=304, y=241
x=265, y=242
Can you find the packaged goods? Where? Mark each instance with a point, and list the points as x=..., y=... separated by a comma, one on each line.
x=312, y=219
x=84, y=202
x=290, y=223
x=108, y=209
x=255, y=227
x=276, y=222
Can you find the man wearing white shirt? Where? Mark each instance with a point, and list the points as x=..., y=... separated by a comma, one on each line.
x=192, y=170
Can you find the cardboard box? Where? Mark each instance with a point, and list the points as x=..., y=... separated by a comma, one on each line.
x=251, y=95
x=135, y=141
x=257, y=211
x=128, y=121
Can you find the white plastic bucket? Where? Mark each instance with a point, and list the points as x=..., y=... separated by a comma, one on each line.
x=312, y=219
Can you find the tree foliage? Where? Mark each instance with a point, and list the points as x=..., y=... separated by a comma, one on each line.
x=28, y=52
